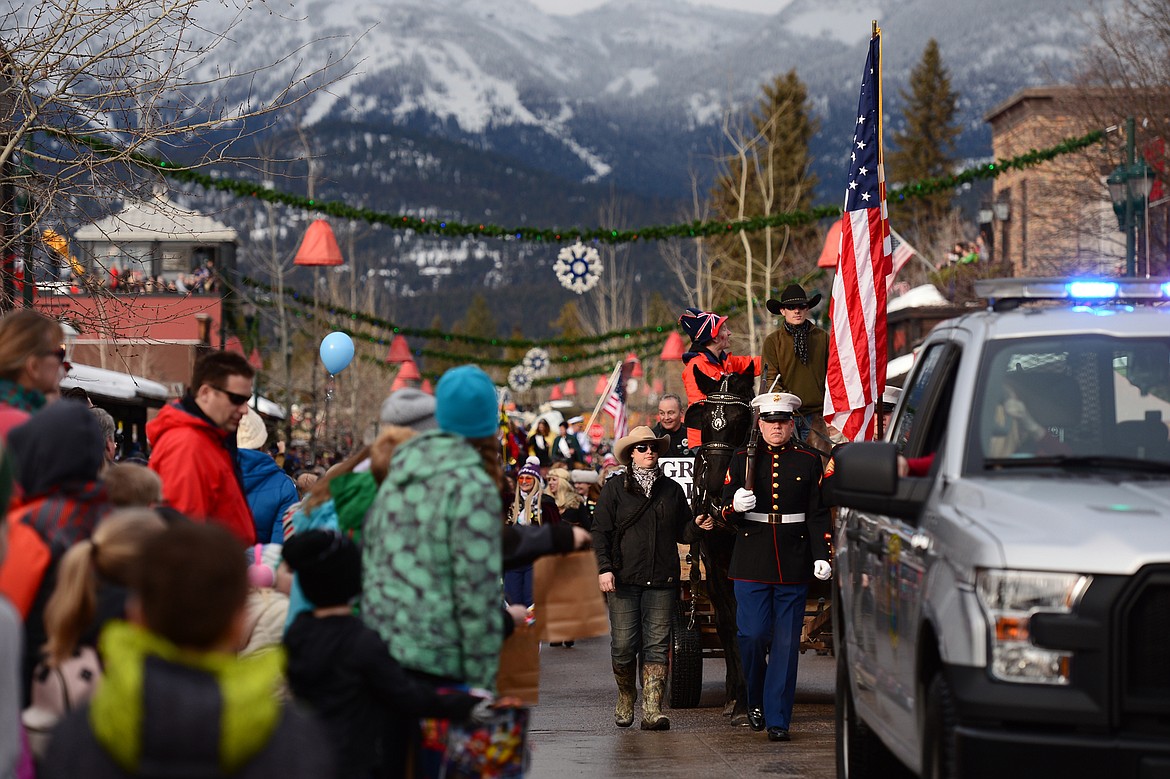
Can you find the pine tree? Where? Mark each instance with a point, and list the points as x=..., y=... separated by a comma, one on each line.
x=480, y=321
x=925, y=148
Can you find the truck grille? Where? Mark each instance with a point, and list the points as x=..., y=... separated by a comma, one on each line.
x=1146, y=649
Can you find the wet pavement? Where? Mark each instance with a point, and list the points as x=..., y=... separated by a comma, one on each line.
x=573, y=732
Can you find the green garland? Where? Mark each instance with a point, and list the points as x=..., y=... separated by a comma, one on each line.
x=460, y=357
x=479, y=340
x=992, y=170
x=652, y=233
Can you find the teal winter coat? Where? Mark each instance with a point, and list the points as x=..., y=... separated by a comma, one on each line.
x=431, y=561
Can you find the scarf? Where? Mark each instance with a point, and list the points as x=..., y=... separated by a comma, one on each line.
x=16, y=396
x=800, y=339
x=645, y=478
x=526, y=508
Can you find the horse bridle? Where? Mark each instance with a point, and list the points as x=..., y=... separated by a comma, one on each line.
x=718, y=420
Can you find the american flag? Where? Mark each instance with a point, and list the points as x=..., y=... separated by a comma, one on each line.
x=901, y=255
x=615, y=402
x=857, y=343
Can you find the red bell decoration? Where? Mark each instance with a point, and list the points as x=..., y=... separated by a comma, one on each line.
x=427, y=387
x=636, y=372
x=409, y=371
x=255, y=360
x=234, y=344
x=673, y=350
x=399, y=383
x=659, y=388
x=319, y=246
x=602, y=383
x=399, y=351
x=570, y=388
x=556, y=393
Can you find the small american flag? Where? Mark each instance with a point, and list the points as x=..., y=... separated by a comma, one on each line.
x=615, y=403
x=902, y=254
x=857, y=342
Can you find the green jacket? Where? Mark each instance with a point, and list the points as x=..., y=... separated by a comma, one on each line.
x=431, y=561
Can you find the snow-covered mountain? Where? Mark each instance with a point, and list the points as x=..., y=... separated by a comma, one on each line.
x=631, y=92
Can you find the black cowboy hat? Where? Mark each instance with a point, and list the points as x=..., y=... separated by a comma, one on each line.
x=793, y=295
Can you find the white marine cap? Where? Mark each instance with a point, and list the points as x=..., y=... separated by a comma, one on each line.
x=890, y=395
x=776, y=406
x=576, y=420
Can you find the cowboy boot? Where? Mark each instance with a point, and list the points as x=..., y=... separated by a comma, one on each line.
x=626, y=676
x=653, y=686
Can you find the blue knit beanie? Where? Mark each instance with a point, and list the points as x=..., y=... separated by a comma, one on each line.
x=465, y=403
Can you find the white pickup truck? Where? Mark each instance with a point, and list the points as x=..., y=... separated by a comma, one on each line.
x=1006, y=611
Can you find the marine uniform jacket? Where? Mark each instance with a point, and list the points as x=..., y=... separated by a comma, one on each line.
x=787, y=481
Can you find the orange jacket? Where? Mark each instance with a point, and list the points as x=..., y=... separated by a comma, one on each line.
x=716, y=368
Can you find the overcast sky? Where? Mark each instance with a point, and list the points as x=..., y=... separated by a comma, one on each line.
x=569, y=7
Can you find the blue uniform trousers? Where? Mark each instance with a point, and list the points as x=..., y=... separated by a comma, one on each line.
x=769, y=619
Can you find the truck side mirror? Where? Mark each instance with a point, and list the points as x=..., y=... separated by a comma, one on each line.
x=865, y=478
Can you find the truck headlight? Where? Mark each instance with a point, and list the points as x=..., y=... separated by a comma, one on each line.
x=1010, y=598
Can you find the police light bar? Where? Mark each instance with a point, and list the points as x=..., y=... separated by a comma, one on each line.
x=1072, y=289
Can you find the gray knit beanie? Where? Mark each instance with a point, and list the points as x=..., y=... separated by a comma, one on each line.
x=409, y=407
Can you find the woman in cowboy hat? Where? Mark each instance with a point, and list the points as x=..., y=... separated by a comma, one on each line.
x=710, y=336
x=797, y=353
x=639, y=520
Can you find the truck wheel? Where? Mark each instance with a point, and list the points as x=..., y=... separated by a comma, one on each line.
x=860, y=753
x=938, y=743
x=684, y=683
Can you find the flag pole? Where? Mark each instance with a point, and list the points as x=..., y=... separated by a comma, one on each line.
x=613, y=377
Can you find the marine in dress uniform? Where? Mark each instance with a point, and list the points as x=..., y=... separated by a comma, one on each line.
x=780, y=526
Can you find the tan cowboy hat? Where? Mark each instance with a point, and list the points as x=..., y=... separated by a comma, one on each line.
x=640, y=435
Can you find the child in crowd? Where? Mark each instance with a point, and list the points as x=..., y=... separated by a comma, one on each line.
x=267, y=598
x=130, y=484
x=343, y=670
x=175, y=699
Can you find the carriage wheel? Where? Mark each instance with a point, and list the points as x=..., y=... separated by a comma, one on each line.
x=684, y=683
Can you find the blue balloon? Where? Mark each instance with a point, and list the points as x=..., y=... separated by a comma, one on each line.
x=336, y=351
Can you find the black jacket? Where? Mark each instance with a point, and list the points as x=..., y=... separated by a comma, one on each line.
x=787, y=481
x=342, y=670
x=645, y=553
x=677, y=437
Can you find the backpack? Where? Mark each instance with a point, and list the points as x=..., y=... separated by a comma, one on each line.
x=56, y=691
x=23, y=568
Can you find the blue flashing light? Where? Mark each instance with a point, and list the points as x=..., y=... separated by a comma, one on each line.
x=1166, y=290
x=1082, y=290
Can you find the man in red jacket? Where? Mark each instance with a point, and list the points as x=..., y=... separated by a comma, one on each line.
x=193, y=443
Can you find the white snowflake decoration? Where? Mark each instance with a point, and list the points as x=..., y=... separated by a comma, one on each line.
x=520, y=378
x=578, y=267
x=536, y=361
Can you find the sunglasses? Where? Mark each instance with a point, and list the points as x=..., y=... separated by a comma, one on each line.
x=235, y=398
x=58, y=353
x=645, y=448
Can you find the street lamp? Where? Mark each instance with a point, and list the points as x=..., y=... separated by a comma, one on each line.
x=1129, y=188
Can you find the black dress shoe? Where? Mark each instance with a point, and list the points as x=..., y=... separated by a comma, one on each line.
x=778, y=734
x=569, y=643
x=756, y=719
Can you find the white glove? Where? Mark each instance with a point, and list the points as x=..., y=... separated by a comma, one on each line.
x=743, y=500
x=822, y=570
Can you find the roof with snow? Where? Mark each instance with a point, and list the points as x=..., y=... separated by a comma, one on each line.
x=157, y=220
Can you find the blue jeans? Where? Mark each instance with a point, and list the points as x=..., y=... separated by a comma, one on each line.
x=639, y=622
x=769, y=619
x=802, y=426
x=518, y=586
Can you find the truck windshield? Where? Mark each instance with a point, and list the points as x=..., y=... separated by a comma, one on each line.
x=1073, y=399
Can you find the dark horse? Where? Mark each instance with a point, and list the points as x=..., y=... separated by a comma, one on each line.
x=725, y=418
